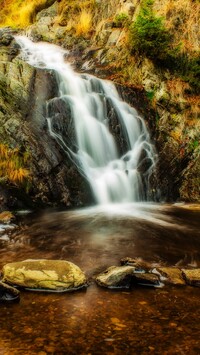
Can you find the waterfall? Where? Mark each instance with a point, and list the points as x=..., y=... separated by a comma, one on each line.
x=114, y=176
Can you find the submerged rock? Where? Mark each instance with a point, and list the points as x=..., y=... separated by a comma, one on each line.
x=116, y=277
x=147, y=279
x=8, y=293
x=49, y=275
x=192, y=277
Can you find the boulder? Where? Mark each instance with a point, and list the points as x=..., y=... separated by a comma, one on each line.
x=48, y=275
x=8, y=293
x=116, y=277
x=192, y=277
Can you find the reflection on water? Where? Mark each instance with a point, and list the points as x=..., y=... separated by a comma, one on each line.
x=99, y=321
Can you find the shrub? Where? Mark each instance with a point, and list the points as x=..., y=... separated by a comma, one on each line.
x=148, y=35
x=121, y=20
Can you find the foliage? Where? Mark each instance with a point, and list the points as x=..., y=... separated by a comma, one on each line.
x=121, y=20
x=12, y=165
x=84, y=24
x=148, y=35
x=193, y=145
x=21, y=13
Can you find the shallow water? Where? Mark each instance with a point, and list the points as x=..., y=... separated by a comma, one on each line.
x=96, y=320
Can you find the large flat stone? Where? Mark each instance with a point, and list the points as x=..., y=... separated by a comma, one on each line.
x=54, y=275
x=171, y=275
x=192, y=277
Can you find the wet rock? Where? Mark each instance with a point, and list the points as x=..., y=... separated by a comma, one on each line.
x=116, y=277
x=8, y=293
x=170, y=275
x=49, y=275
x=192, y=277
x=138, y=263
x=6, y=36
x=147, y=279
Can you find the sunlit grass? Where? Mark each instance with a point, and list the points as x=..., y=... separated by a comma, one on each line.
x=84, y=23
x=20, y=13
x=12, y=165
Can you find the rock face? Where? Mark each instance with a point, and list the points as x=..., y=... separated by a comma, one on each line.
x=23, y=93
x=52, y=275
x=103, y=50
x=167, y=102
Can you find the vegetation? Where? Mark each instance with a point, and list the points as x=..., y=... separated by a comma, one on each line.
x=121, y=20
x=84, y=24
x=148, y=35
x=12, y=165
x=21, y=13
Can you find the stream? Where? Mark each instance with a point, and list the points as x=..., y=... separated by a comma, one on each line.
x=96, y=320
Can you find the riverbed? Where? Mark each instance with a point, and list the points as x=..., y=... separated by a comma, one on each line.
x=95, y=320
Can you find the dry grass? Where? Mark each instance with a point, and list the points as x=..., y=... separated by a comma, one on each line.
x=182, y=19
x=20, y=13
x=177, y=87
x=12, y=165
x=84, y=25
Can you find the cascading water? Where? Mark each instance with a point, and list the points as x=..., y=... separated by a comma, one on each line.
x=113, y=179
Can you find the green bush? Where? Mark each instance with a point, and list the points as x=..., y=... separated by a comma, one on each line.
x=121, y=20
x=148, y=35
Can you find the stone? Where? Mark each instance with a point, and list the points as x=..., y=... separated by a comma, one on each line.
x=138, y=263
x=114, y=37
x=116, y=277
x=170, y=275
x=8, y=293
x=192, y=277
x=49, y=275
x=147, y=279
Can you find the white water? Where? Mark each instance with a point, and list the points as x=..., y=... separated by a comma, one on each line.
x=113, y=179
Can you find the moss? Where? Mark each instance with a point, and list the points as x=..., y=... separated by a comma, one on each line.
x=121, y=20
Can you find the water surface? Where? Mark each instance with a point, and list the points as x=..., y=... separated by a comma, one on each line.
x=99, y=321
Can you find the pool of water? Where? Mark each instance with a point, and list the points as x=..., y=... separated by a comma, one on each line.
x=96, y=320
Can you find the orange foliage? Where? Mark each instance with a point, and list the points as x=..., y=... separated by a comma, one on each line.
x=12, y=165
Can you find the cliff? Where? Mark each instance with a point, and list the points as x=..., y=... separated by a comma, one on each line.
x=150, y=49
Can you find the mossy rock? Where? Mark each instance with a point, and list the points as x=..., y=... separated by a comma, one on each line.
x=46, y=275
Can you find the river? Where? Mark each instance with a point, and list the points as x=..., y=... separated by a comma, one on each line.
x=97, y=320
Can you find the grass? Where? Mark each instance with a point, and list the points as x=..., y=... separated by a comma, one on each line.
x=12, y=165
x=182, y=18
x=84, y=25
x=21, y=13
